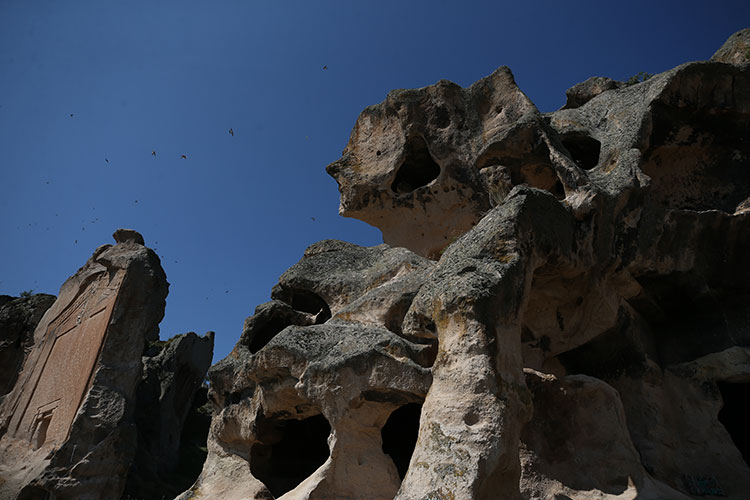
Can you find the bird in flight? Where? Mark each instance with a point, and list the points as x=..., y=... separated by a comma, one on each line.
x=71, y=115
x=325, y=67
x=153, y=153
x=231, y=132
x=184, y=157
x=106, y=160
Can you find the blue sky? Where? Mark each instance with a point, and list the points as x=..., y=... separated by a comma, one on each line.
x=174, y=77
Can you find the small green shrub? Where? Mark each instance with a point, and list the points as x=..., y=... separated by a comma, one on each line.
x=27, y=293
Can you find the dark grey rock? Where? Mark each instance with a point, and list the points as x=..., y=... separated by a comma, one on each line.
x=173, y=374
x=18, y=319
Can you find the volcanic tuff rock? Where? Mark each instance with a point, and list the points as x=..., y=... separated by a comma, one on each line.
x=68, y=429
x=18, y=319
x=581, y=330
x=173, y=373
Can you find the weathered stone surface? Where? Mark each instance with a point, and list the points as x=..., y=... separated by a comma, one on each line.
x=173, y=373
x=583, y=92
x=18, y=319
x=68, y=423
x=588, y=301
x=426, y=164
x=736, y=50
x=302, y=414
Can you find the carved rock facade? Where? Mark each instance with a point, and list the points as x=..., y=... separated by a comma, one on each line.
x=68, y=429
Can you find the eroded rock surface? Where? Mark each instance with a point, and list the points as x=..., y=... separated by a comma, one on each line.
x=68, y=429
x=562, y=312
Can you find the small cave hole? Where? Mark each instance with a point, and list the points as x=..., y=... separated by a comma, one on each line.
x=264, y=335
x=583, y=148
x=288, y=451
x=303, y=300
x=418, y=168
x=400, y=435
x=735, y=414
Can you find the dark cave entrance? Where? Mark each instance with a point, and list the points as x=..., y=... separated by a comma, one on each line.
x=400, y=435
x=583, y=149
x=288, y=451
x=735, y=415
x=418, y=168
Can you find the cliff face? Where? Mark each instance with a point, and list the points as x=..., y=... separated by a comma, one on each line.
x=566, y=315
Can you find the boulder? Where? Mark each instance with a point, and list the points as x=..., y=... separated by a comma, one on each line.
x=583, y=92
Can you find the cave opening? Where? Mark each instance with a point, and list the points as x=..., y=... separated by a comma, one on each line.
x=417, y=169
x=264, y=335
x=735, y=414
x=400, y=435
x=583, y=149
x=288, y=451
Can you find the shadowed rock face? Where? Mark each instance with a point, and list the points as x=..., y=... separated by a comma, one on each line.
x=18, y=319
x=68, y=422
x=566, y=317
x=166, y=460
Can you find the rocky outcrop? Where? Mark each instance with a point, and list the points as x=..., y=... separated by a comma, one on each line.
x=310, y=388
x=567, y=316
x=736, y=50
x=18, y=319
x=68, y=428
x=173, y=374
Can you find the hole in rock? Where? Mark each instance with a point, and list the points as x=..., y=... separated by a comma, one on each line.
x=735, y=415
x=583, y=148
x=400, y=435
x=288, y=451
x=264, y=335
x=303, y=300
x=418, y=168
x=442, y=118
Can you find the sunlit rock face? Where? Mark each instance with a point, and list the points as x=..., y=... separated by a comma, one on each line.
x=425, y=165
x=561, y=310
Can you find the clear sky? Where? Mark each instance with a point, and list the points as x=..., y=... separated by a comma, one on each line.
x=88, y=89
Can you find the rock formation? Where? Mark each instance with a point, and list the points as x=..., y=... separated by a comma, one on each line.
x=67, y=426
x=566, y=315
x=18, y=319
x=173, y=372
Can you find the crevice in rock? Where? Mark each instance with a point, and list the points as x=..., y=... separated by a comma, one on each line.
x=583, y=149
x=735, y=415
x=417, y=169
x=400, y=435
x=287, y=451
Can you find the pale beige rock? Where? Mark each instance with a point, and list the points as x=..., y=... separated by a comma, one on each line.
x=605, y=248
